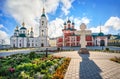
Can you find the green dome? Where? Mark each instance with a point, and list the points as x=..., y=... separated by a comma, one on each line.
x=22, y=28
x=101, y=34
x=43, y=15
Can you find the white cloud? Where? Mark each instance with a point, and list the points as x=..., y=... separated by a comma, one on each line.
x=55, y=27
x=4, y=35
x=78, y=21
x=1, y=26
x=97, y=29
x=112, y=22
x=67, y=4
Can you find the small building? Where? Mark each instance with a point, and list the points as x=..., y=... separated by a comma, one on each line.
x=100, y=39
x=114, y=40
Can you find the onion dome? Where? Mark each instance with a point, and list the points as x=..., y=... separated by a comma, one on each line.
x=68, y=21
x=43, y=13
x=16, y=29
x=23, y=24
x=31, y=30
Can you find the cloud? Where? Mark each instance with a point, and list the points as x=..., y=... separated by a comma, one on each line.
x=4, y=36
x=112, y=23
x=30, y=11
x=67, y=4
x=1, y=26
x=55, y=27
x=78, y=21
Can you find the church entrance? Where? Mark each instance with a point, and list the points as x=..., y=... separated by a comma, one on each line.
x=102, y=43
x=42, y=45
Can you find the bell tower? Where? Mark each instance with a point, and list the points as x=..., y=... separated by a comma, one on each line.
x=43, y=30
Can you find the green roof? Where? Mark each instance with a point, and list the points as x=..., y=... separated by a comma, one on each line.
x=22, y=35
x=22, y=28
x=101, y=34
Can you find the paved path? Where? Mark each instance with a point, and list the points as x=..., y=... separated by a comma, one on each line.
x=94, y=66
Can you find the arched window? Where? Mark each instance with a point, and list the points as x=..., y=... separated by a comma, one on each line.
x=42, y=22
x=42, y=32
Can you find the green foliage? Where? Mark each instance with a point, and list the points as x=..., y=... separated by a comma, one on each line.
x=32, y=55
x=25, y=66
x=44, y=71
x=43, y=66
x=24, y=75
x=49, y=63
x=47, y=76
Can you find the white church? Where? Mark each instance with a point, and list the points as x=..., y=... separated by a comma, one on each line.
x=24, y=38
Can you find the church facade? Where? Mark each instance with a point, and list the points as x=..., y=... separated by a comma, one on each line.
x=71, y=38
x=24, y=38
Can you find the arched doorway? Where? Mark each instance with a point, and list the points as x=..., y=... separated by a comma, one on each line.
x=102, y=43
x=42, y=45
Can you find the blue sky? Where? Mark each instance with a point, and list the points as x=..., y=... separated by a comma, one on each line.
x=94, y=13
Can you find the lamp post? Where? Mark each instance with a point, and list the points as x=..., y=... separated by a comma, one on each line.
x=46, y=55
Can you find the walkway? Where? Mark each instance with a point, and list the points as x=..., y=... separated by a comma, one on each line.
x=96, y=65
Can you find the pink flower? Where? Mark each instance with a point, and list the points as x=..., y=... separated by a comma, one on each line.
x=11, y=69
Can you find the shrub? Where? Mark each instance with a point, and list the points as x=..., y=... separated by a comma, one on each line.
x=107, y=49
x=38, y=76
x=32, y=55
x=44, y=71
x=49, y=63
x=47, y=76
x=43, y=66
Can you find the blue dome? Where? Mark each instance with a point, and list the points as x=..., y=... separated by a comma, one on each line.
x=101, y=34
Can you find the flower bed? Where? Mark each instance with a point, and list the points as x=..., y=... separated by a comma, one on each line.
x=32, y=66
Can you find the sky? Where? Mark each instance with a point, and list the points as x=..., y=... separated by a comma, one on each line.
x=94, y=13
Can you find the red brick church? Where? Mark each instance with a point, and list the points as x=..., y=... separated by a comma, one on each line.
x=70, y=38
